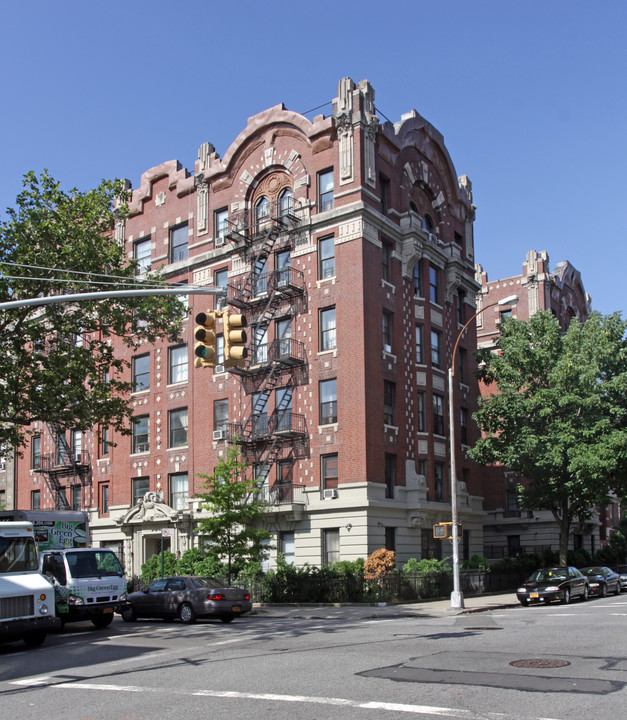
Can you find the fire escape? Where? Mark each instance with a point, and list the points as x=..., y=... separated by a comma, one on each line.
x=65, y=463
x=274, y=368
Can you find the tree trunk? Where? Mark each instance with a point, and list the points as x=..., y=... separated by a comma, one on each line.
x=564, y=526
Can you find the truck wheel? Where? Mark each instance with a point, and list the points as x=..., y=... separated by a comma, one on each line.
x=102, y=621
x=34, y=639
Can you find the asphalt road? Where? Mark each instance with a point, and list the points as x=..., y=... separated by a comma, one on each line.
x=503, y=664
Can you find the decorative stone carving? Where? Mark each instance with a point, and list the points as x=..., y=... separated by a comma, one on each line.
x=150, y=508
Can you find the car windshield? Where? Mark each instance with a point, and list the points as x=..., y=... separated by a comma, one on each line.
x=592, y=571
x=207, y=582
x=548, y=575
x=94, y=563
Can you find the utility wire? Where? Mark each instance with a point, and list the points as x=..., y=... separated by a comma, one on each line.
x=90, y=282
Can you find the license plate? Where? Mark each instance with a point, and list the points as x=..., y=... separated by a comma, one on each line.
x=236, y=608
x=107, y=610
x=533, y=595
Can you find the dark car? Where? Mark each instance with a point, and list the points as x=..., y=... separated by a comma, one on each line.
x=622, y=574
x=554, y=583
x=601, y=580
x=187, y=598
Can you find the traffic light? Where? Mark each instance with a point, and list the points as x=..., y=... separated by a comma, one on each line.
x=205, y=349
x=235, y=352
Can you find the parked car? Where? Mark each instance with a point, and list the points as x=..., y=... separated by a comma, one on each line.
x=601, y=580
x=554, y=583
x=186, y=598
x=622, y=574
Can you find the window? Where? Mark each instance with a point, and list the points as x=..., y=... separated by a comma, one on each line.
x=35, y=499
x=286, y=546
x=260, y=345
x=434, y=284
x=386, y=262
x=421, y=412
x=179, y=491
x=330, y=546
x=104, y=499
x=221, y=414
x=384, y=184
x=390, y=539
x=76, y=499
x=141, y=253
x=177, y=421
x=282, y=265
x=420, y=345
x=221, y=280
x=220, y=223
x=219, y=350
x=328, y=402
x=463, y=422
x=463, y=359
x=77, y=445
x=427, y=224
x=105, y=441
x=62, y=450
x=140, y=487
x=325, y=190
x=141, y=373
x=505, y=315
x=438, y=414
x=327, y=329
x=177, y=364
x=260, y=414
x=326, y=257
x=179, y=243
x=329, y=471
x=262, y=212
x=260, y=277
x=389, y=389
x=387, y=331
x=286, y=202
x=283, y=409
x=439, y=481
x=141, y=435
x=390, y=474
x=422, y=467
x=35, y=452
x=417, y=279
x=511, y=502
x=460, y=306
x=436, y=349
x=283, y=336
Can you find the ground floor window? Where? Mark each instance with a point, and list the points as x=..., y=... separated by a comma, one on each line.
x=330, y=546
x=287, y=547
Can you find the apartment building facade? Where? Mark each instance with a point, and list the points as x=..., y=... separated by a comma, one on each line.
x=348, y=246
x=508, y=531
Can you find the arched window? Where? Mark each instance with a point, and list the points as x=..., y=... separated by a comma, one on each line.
x=262, y=211
x=286, y=202
x=427, y=223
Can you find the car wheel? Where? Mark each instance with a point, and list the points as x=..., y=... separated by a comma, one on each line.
x=102, y=621
x=129, y=614
x=187, y=614
x=566, y=596
x=524, y=603
x=34, y=639
x=227, y=618
x=584, y=597
x=617, y=591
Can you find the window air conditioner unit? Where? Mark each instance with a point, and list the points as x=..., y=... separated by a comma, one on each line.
x=330, y=494
x=220, y=240
x=219, y=434
x=218, y=369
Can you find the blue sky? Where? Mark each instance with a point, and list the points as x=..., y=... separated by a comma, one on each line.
x=530, y=97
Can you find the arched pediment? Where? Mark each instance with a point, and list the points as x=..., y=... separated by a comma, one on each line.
x=149, y=509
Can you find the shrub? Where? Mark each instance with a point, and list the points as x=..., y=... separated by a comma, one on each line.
x=151, y=569
x=380, y=562
x=477, y=562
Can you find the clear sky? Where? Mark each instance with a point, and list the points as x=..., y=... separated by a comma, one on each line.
x=529, y=96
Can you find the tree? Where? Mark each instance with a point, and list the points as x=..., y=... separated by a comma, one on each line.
x=232, y=531
x=58, y=362
x=559, y=417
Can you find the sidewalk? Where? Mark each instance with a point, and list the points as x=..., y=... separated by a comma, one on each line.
x=361, y=611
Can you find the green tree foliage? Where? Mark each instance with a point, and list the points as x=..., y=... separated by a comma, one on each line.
x=233, y=532
x=55, y=358
x=559, y=416
x=151, y=569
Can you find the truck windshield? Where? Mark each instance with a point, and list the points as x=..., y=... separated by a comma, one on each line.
x=17, y=554
x=94, y=563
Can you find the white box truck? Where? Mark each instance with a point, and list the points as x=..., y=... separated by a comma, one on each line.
x=89, y=582
x=27, y=609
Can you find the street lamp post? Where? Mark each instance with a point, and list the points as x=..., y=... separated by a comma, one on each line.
x=457, y=596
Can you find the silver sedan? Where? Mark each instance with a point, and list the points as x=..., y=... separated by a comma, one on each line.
x=187, y=597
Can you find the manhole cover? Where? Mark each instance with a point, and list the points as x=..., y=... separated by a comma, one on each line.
x=539, y=663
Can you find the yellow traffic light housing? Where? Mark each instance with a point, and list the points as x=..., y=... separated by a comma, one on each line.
x=205, y=349
x=235, y=352
x=444, y=531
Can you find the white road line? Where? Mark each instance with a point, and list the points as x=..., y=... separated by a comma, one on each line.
x=307, y=699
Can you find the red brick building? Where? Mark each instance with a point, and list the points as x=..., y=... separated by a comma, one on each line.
x=348, y=245
x=509, y=531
